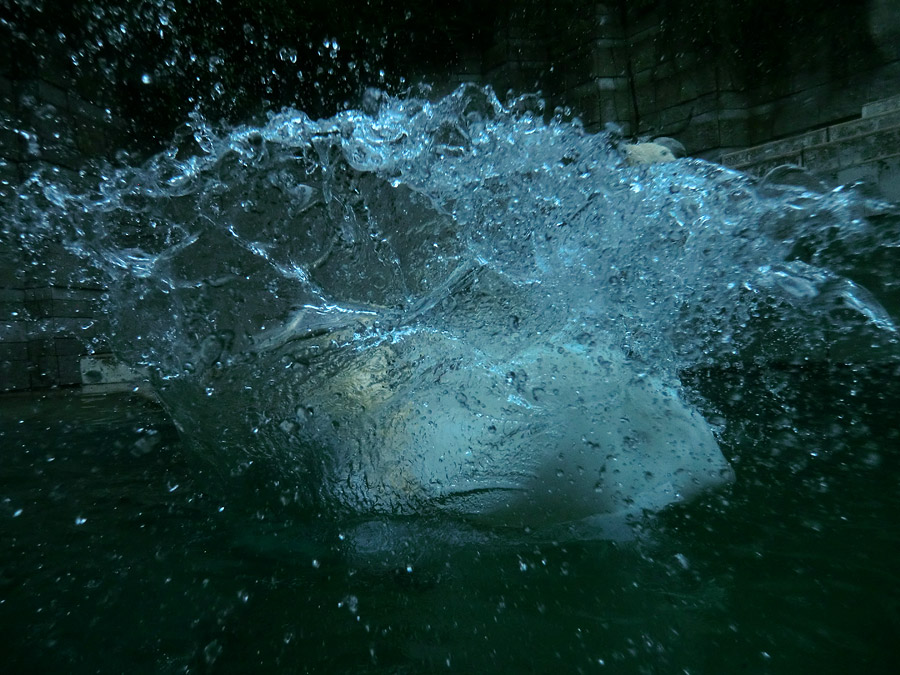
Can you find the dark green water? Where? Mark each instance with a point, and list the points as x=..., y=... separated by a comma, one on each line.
x=121, y=555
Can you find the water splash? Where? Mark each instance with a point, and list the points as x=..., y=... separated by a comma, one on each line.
x=457, y=305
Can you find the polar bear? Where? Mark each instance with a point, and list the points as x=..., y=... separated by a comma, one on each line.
x=660, y=149
x=548, y=434
x=647, y=153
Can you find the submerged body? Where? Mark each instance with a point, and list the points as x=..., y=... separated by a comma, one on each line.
x=515, y=434
x=457, y=306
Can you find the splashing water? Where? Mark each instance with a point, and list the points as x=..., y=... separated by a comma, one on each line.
x=457, y=306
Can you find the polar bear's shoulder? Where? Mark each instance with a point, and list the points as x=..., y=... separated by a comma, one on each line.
x=647, y=153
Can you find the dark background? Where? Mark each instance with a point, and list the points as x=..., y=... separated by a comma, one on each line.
x=153, y=62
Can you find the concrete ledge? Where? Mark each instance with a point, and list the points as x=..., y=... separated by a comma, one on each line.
x=863, y=149
x=881, y=107
x=105, y=369
x=776, y=149
x=866, y=125
x=103, y=374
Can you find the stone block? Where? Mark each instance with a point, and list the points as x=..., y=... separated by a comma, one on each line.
x=520, y=30
x=623, y=106
x=38, y=302
x=67, y=346
x=734, y=102
x=587, y=103
x=643, y=25
x=9, y=179
x=727, y=79
x=787, y=146
x=705, y=79
x=642, y=79
x=12, y=269
x=13, y=311
x=773, y=89
x=822, y=158
x=646, y=101
x=689, y=87
x=577, y=68
x=702, y=109
x=805, y=80
x=14, y=376
x=73, y=308
x=869, y=148
x=667, y=91
x=39, y=348
x=864, y=173
x=606, y=21
x=515, y=78
x=34, y=93
x=15, y=296
x=733, y=130
x=610, y=84
x=845, y=106
x=621, y=58
x=45, y=373
x=58, y=70
x=105, y=369
x=882, y=107
x=97, y=345
x=759, y=127
x=80, y=294
x=496, y=55
x=643, y=54
x=69, y=370
x=6, y=60
x=13, y=145
x=865, y=125
x=7, y=92
x=81, y=328
x=93, y=89
x=608, y=111
x=52, y=94
x=84, y=110
x=763, y=167
x=794, y=114
x=888, y=180
x=700, y=136
x=39, y=309
x=13, y=351
x=66, y=155
x=663, y=69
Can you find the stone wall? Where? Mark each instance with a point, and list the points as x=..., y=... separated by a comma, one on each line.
x=865, y=151
x=49, y=316
x=716, y=74
x=739, y=74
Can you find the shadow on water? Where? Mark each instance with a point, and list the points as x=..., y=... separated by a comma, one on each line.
x=117, y=560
